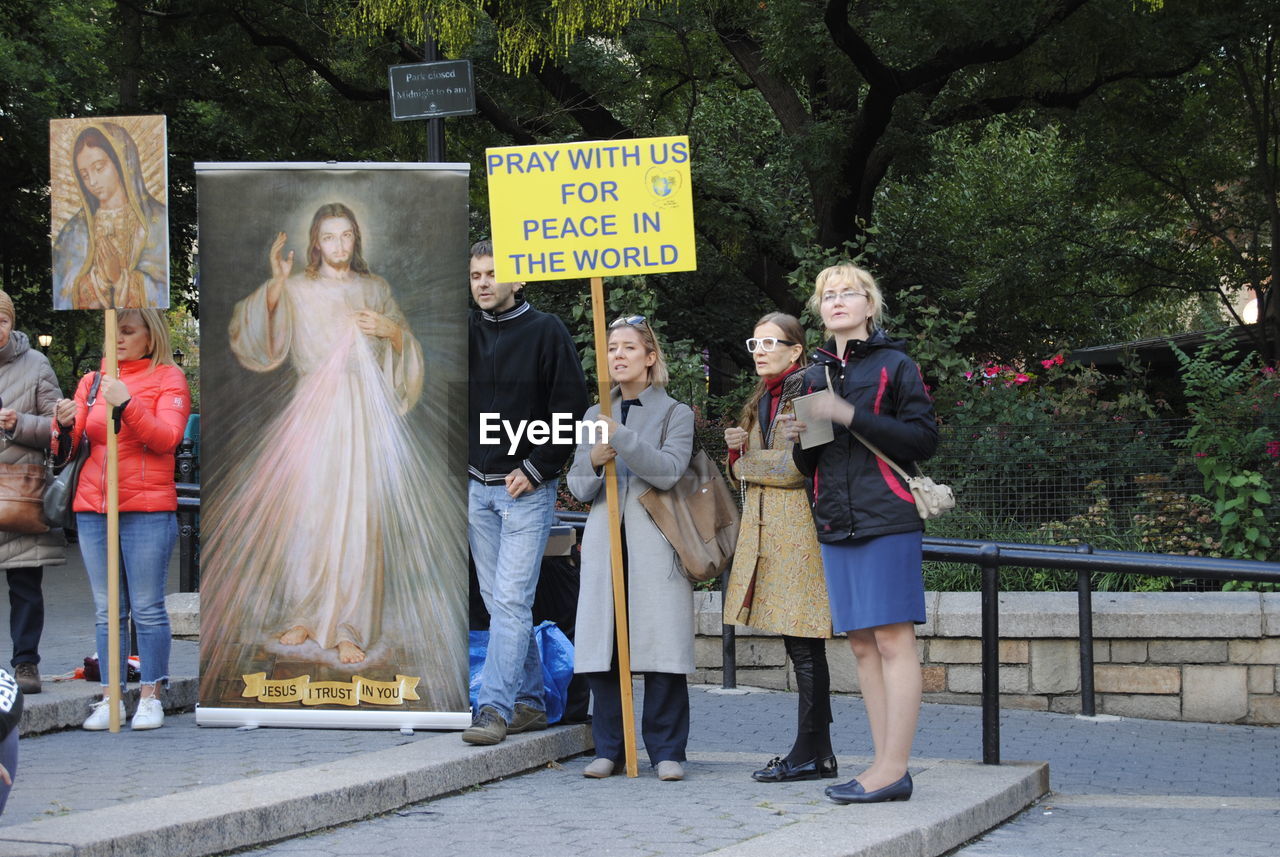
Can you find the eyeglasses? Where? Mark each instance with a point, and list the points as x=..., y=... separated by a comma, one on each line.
x=846, y=297
x=767, y=343
x=632, y=320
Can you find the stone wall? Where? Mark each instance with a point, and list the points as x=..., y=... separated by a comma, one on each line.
x=1212, y=657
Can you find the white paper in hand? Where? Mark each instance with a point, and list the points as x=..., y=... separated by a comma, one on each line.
x=818, y=430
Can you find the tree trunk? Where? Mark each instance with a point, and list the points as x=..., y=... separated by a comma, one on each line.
x=130, y=56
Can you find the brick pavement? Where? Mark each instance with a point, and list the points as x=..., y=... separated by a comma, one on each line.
x=1121, y=786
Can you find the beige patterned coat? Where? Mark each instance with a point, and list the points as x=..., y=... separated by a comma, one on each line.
x=776, y=583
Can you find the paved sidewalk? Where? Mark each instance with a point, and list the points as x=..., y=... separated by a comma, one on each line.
x=1120, y=786
x=187, y=790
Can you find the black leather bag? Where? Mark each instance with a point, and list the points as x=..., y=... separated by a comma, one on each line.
x=60, y=492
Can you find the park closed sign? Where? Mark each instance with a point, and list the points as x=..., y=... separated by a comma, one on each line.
x=598, y=209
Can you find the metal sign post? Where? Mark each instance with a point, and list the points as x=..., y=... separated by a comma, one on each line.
x=431, y=91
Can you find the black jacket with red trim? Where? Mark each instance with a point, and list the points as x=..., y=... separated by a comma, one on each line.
x=854, y=495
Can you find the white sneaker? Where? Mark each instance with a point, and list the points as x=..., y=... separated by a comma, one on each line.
x=100, y=716
x=150, y=714
x=670, y=770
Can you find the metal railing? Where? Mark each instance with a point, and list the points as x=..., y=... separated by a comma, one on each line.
x=185, y=474
x=989, y=556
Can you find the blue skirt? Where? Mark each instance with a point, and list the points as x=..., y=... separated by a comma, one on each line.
x=875, y=581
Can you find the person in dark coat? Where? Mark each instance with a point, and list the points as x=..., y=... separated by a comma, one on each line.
x=524, y=368
x=866, y=518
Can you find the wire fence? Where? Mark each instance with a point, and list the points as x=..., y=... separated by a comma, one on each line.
x=1116, y=486
x=1123, y=485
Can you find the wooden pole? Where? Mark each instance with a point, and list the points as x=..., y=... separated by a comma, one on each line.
x=622, y=637
x=113, y=534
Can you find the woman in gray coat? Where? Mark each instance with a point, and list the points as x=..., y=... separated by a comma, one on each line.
x=651, y=442
x=28, y=392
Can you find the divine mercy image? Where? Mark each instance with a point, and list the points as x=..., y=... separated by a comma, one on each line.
x=328, y=539
x=110, y=222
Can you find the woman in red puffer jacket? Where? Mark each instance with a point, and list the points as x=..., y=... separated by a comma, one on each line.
x=152, y=402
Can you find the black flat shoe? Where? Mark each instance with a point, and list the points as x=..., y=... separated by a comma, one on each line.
x=779, y=770
x=853, y=792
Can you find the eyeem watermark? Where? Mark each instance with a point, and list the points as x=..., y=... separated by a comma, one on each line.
x=563, y=429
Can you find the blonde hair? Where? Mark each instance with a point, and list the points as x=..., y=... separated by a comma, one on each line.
x=659, y=376
x=854, y=276
x=157, y=328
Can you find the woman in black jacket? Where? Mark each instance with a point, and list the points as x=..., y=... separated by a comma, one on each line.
x=868, y=527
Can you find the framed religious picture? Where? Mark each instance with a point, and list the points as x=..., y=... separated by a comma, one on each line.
x=109, y=212
x=333, y=333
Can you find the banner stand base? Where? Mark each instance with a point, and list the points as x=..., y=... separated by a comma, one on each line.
x=329, y=718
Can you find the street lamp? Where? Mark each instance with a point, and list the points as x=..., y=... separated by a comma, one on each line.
x=45, y=340
x=178, y=356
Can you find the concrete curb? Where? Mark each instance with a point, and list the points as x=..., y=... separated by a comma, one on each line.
x=953, y=803
x=65, y=704
x=276, y=806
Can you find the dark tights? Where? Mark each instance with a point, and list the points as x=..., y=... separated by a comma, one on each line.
x=813, y=681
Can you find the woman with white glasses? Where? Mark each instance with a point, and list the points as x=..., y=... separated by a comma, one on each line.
x=776, y=583
x=865, y=515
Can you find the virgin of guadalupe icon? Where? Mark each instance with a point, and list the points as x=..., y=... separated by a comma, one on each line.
x=114, y=250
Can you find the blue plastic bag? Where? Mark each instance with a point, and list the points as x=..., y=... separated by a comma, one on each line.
x=557, y=665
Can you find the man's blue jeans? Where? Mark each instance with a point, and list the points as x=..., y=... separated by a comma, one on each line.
x=146, y=544
x=507, y=539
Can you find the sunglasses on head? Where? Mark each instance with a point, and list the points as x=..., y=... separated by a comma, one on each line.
x=632, y=320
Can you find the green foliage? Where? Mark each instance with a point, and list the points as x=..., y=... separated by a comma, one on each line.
x=525, y=32
x=184, y=336
x=934, y=335
x=1015, y=223
x=1235, y=407
x=627, y=296
x=1171, y=521
x=976, y=523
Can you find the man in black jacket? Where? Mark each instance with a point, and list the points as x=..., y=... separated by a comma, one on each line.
x=525, y=377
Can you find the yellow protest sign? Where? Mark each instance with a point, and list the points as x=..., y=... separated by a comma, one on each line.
x=598, y=209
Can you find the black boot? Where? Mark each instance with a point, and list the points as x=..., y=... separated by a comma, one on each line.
x=813, y=681
x=810, y=756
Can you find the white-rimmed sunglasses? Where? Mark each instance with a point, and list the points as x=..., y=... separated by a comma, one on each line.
x=766, y=343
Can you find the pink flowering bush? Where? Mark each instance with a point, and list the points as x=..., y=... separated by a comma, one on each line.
x=997, y=392
x=993, y=373
x=1029, y=441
